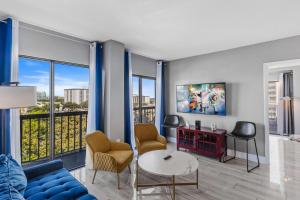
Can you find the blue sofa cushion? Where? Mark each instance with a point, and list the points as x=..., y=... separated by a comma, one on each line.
x=12, y=174
x=42, y=169
x=56, y=185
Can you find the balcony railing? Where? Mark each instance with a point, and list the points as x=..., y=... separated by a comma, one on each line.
x=69, y=134
x=148, y=114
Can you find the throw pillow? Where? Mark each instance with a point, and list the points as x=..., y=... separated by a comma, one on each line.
x=12, y=173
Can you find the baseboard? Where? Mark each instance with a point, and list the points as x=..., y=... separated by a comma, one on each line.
x=241, y=155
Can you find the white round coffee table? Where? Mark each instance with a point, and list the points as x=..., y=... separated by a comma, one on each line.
x=179, y=164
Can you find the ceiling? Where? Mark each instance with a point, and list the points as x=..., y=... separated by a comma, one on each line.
x=164, y=29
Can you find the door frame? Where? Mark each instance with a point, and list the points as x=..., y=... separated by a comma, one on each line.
x=266, y=68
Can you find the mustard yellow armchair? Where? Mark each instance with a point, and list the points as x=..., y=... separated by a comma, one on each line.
x=108, y=155
x=148, y=139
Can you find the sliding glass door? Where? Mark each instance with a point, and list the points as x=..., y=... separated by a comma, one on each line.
x=71, y=106
x=143, y=99
x=35, y=121
x=56, y=127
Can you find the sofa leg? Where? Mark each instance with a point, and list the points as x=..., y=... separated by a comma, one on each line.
x=129, y=169
x=94, y=176
x=118, y=181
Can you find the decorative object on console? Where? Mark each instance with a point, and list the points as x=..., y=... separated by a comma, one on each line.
x=206, y=98
x=14, y=97
x=197, y=124
x=204, y=141
x=213, y=126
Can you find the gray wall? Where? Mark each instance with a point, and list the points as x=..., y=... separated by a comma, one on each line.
x=43, y=43
x=114, y=89
x=143, y=66
x=242, y=70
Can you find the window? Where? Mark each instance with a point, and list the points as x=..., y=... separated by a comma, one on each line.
x=143, y=99
x=273, y=92
x=57, y=125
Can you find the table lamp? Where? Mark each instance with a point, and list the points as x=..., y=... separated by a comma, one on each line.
x=14, y=97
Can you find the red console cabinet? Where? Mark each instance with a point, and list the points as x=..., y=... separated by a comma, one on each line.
x=204, y=142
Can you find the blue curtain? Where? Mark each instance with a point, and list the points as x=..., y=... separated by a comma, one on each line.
x=127, y=119
x=162, y=103
x=5, y=76
x=99, y=89
x=127, y=102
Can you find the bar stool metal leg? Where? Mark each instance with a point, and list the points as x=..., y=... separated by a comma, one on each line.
x=234, y=152
x=249, y=170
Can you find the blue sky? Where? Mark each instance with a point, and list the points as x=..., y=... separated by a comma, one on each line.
x=148, y=87
x=37, y=73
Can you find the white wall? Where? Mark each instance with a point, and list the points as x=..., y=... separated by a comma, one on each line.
x=242, y=70
x=47, y=44
x=114, y=89
x=143, y=66
x=296, y=77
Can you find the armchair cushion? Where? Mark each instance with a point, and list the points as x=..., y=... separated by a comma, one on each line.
x=150, y=146
x=161, y=139
x=119, y=146
x=98, y=142
x=145, y=132
x=123, y=158
x=148, y=139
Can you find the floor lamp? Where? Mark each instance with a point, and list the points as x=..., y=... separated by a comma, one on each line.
x=14, y=97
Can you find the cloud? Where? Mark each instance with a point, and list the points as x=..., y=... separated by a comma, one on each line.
x=41, y=81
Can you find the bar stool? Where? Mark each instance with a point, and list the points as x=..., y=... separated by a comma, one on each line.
x=244, y=131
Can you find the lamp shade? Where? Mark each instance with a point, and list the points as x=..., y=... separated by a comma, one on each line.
x=17, y=96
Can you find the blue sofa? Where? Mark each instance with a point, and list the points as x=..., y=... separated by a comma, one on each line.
x=51, y=181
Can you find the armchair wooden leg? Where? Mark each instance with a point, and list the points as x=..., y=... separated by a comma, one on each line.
x=118, y=180
x=129, y=169
x=94, y=176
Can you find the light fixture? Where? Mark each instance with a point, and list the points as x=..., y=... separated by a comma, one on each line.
x=14, y=97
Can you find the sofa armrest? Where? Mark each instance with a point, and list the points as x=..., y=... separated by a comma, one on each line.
x=41, y=169
x=161, y=139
